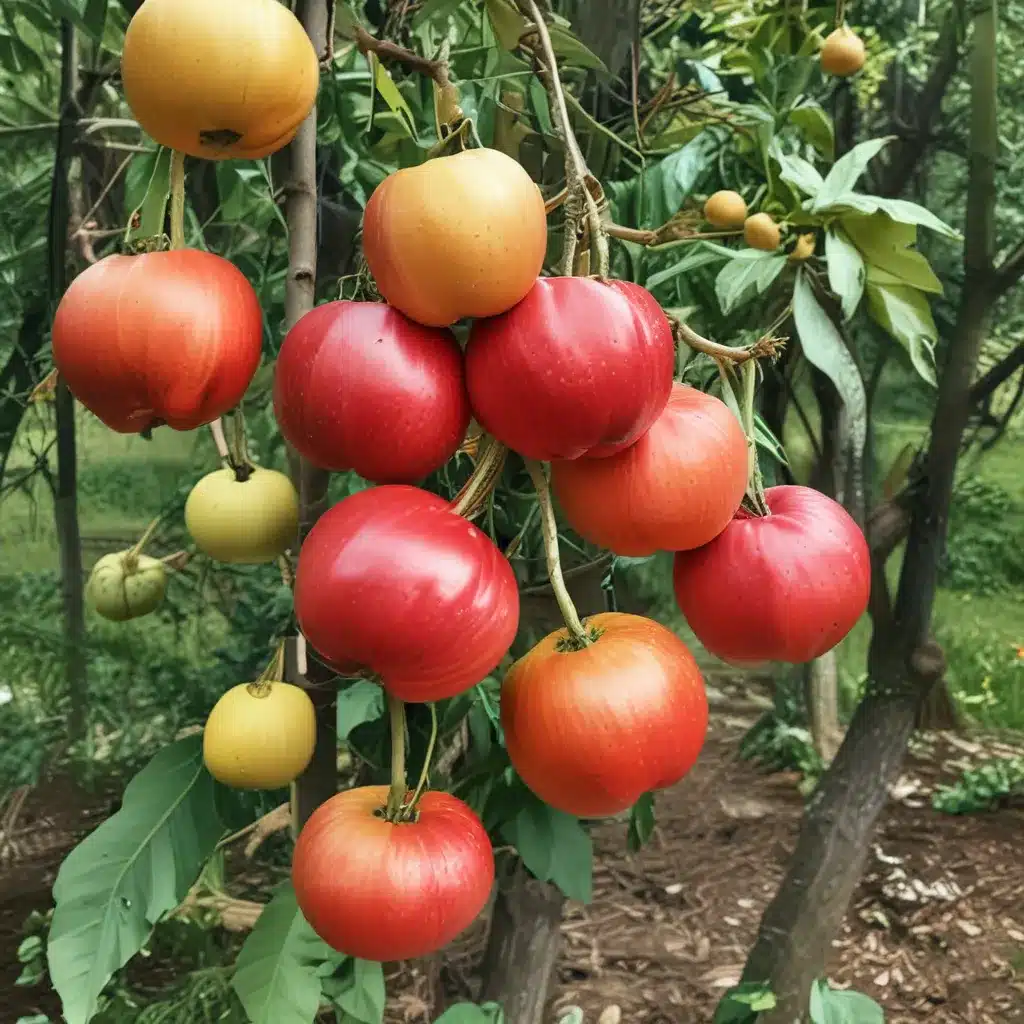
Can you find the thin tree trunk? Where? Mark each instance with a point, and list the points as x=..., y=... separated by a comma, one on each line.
x=823, y=705
x=319, y=782
x=904, y=662
x=65, y=499
x=525, y=932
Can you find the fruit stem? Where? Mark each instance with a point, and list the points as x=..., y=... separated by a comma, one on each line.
x=840, y=13
x=239, y=455
x=577, y=631
x=132, y=557
x=577, y=174
x=177, y=200
x=217, y=431
x=470, y=501
x=425, y=770
x=755, y=485
x=766, y=346
x=396, y=795
x=273, y=673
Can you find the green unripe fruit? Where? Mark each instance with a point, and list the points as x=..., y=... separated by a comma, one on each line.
x=125, y=586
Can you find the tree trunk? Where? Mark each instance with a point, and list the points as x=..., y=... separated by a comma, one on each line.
x=524, y=938
x=65, y=499
x=904, y=664
x=319, y=782
x=822, y=680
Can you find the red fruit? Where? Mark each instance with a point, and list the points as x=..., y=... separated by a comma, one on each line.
x=592, y=730
x=386, y=891
x=676, y=488
x=392, y=582
x=163, y=338
x=359, y=386
x=785, y=587
x=579, y=367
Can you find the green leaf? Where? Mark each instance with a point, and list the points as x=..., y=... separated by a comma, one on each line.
x=845, y=270
x=904, y=312
x=390, y=94
x=275, y=976
x=899, y=210
x=362, y=701
x=829, y=1006
x=680, y=171
x=575, y=54
x=508, y=24
x=846, y=171
x=153, y=208
x=885, y=244
x=470, y=1013
x=88, y=15
x=434, y=10
x=641, y=822
x=554, y=846
x=817, y=128
x=360, y=996
x=124, y=877
x=796, y=170
x=742, y=1004
x=823, y=346
x=748, y=269
x=699, y=255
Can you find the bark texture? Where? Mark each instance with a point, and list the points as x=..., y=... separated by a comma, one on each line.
x=65, y=499
x=319, y=781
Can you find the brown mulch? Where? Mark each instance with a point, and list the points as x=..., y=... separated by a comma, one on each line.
x=935, y=932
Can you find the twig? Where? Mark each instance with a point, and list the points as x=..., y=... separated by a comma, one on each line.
x=578, y=633
x=769, y=345
x=387, y=51
x=219, y=439
x=577, y=174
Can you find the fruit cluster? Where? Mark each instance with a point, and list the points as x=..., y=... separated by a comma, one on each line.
x=396, y=584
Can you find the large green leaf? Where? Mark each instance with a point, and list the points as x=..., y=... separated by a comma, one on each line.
x=898, y=209
x=823, y=346
x=846, y=171
x=358, y=992
x=796, y=170
x=362, y=701
x=470, y=1013
x=816, y=126
x=641, y=822
x=124, y=877
x=276, y=975
x=885, y=244
x=829, y=1006
x=554, y=846
x=508, y=24
x=699, y=255
x=88, y=15
x=845, y=270
x=904, y=312
x=749, y=269
x=680, y=171
x=389, y=92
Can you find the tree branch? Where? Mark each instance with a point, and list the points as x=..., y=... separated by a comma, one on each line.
x=907, y=155
x=388, y=52
x=1009, y=272
x=997, y=375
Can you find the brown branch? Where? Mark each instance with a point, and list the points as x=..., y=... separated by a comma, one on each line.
x=768, y=346
x=1009, y=272
x=997, y=375
x=388, y=52
x=912, y=148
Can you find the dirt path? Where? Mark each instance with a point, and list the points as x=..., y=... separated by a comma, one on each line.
x=936, y=932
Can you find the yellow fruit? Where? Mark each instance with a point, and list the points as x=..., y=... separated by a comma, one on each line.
x=725, y=210
x=843, y=53
x=260, y=737
x=219, y=79
x=804, y=248
x=124, y=586
x=243, y=521
x=761, y=232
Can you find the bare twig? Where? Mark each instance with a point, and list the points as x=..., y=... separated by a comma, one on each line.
x=768, y=346
x=388, y=52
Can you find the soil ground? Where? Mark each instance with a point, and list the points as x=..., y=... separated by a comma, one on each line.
x=935, y=933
